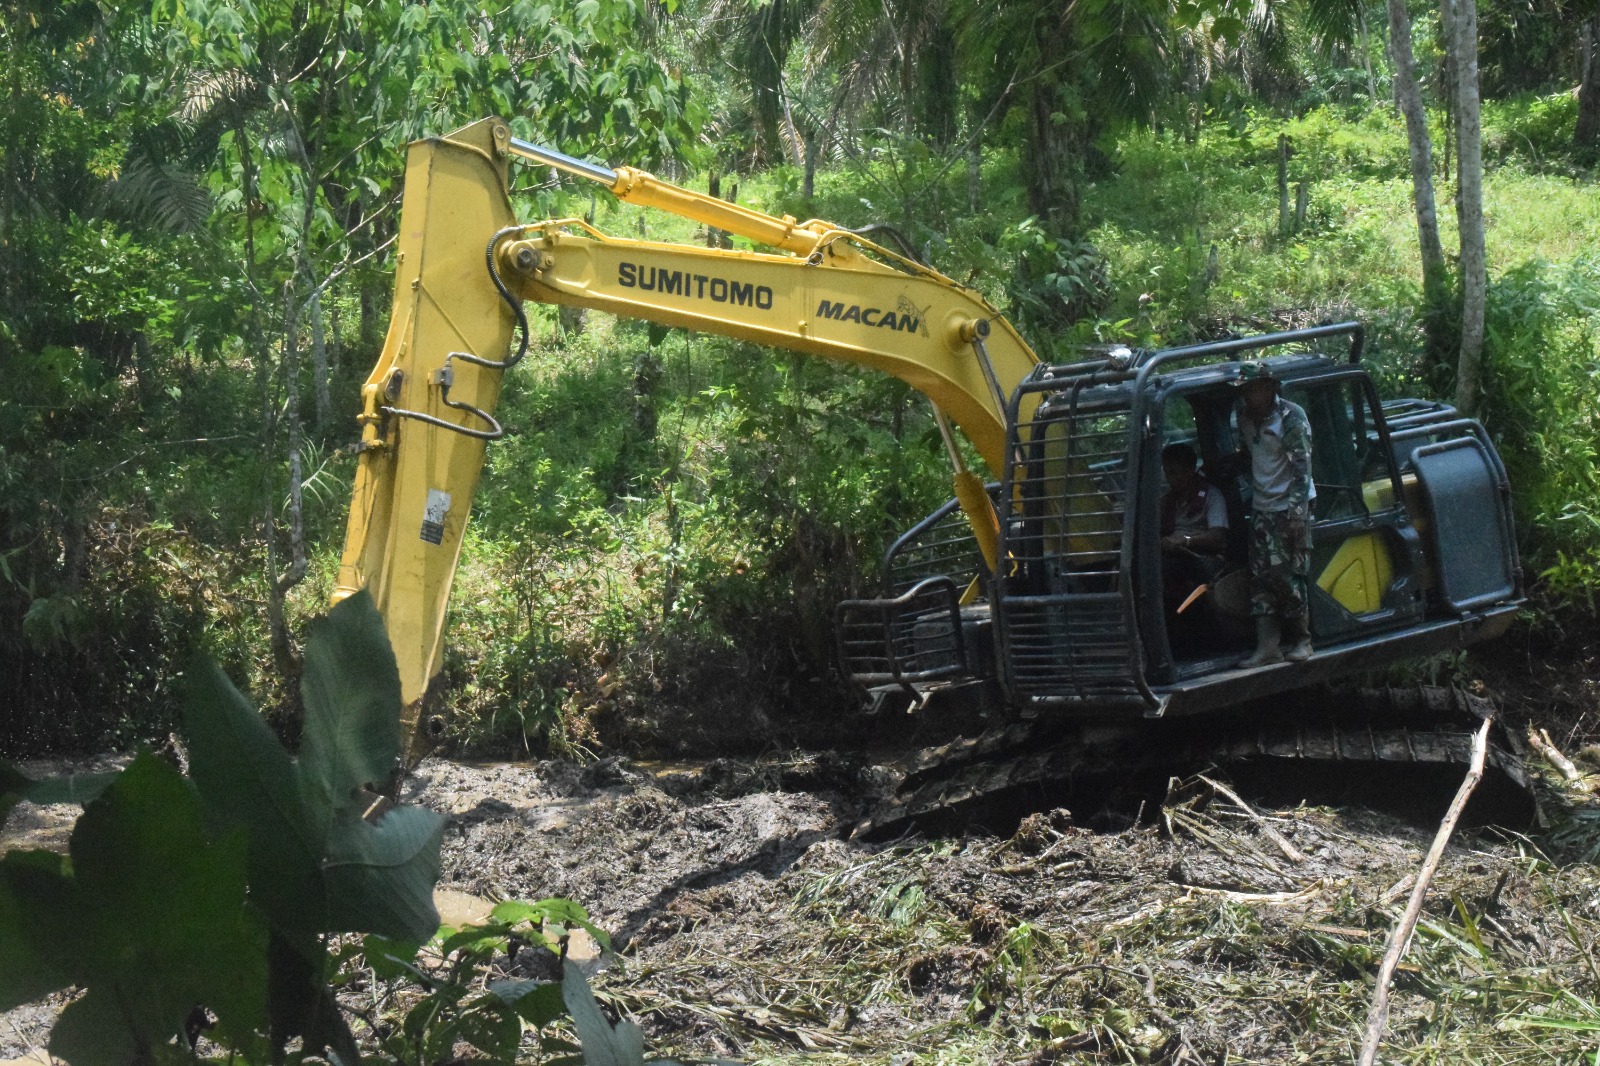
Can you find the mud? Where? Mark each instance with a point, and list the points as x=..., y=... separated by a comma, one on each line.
x=749, y=924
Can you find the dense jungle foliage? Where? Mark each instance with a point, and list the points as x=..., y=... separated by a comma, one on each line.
x=198, y=199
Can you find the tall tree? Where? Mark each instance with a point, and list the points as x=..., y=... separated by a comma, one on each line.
x=1408, y=98
x=1469, y=199
x=1074, y=71
x=1586, y=134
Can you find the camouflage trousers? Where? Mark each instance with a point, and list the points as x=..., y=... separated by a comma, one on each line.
x=1280, y=558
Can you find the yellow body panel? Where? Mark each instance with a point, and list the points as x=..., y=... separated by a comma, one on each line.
x=411, y=474
x=1358, y=574
x=837, y=303
x=841, y=298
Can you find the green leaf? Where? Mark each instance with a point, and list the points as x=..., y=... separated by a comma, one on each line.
x=380, y=876
x=316, y=864
x=536, y=1002
x=552, y=911
x=603, y=1043
x=168, y=927
x=390, y=959
x=34, y=893
x=246, y=779
x=351, y=689
x=1229, y=28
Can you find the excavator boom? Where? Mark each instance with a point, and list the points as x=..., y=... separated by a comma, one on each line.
x=464, y=266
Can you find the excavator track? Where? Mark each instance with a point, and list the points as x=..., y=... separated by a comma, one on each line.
x=1370, y=742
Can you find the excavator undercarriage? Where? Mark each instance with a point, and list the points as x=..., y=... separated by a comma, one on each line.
x=1392, y=747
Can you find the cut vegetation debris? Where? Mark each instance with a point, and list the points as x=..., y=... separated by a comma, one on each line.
x=749, y=928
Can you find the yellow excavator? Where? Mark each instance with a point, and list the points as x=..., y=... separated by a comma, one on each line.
x=1042, y=582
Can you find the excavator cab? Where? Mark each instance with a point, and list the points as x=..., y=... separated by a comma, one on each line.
x=1413, y=548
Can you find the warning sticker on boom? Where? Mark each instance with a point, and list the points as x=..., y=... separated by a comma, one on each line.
x=433, y=516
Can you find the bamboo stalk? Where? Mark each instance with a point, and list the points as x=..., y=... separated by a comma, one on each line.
x=1400, y=936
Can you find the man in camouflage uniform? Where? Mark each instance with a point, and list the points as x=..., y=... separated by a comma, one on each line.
x=1276, y=440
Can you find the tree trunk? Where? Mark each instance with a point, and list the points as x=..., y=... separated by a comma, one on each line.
x=1364, y=42
x=335, y=343
x=143, y=371
x=1469, y=149
x=1586, y=137
x=1053, y=163
x=974, y=176
x=1408, y=98
x=279, y=584
x=319, y=365
x=714, y=189
x=1283, y=185
x=1448, y=88
x=808, y=184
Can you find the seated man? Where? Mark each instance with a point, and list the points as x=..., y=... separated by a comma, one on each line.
x=1194, y=526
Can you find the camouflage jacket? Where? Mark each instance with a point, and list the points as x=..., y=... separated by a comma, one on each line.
x=1280, y=458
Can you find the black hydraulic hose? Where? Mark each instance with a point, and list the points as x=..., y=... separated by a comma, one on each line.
x=511, y=302
x=495, y=430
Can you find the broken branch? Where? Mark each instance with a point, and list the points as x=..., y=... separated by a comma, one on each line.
x=1400, y=937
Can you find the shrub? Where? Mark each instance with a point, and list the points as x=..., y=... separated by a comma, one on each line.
x=1540, y=400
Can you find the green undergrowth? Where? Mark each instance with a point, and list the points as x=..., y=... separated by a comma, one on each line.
x=672, y=521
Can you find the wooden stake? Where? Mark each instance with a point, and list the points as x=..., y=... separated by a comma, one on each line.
x=1400, y=935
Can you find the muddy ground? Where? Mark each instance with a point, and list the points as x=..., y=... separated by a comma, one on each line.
x=1207, y=928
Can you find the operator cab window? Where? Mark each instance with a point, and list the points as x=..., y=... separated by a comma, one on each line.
x=1349, y=465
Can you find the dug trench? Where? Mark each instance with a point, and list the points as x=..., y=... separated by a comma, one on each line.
x=767, y=909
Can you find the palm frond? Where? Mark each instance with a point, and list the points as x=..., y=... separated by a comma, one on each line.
x=157, y=193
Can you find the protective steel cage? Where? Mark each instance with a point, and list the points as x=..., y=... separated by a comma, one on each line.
x=1064, y=610
x=913, y=634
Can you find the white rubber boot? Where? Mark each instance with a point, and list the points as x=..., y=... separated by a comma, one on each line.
x=1267, y=652
x=1299, y=633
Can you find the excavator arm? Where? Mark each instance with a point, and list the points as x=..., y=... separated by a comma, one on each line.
x=464, y=267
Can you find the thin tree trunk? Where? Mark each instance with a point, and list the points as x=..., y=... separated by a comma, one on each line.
x=1364, y=39
x=280, y=584
x=1283, y=185
x=335, y=343
x=714, y=188
x=143, y=370
x=1469, y=148
x=808, y=184
x=974, y=177
x=1449, y=89
x=319, y=364
x=1408, y=98
x=1587, y=133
